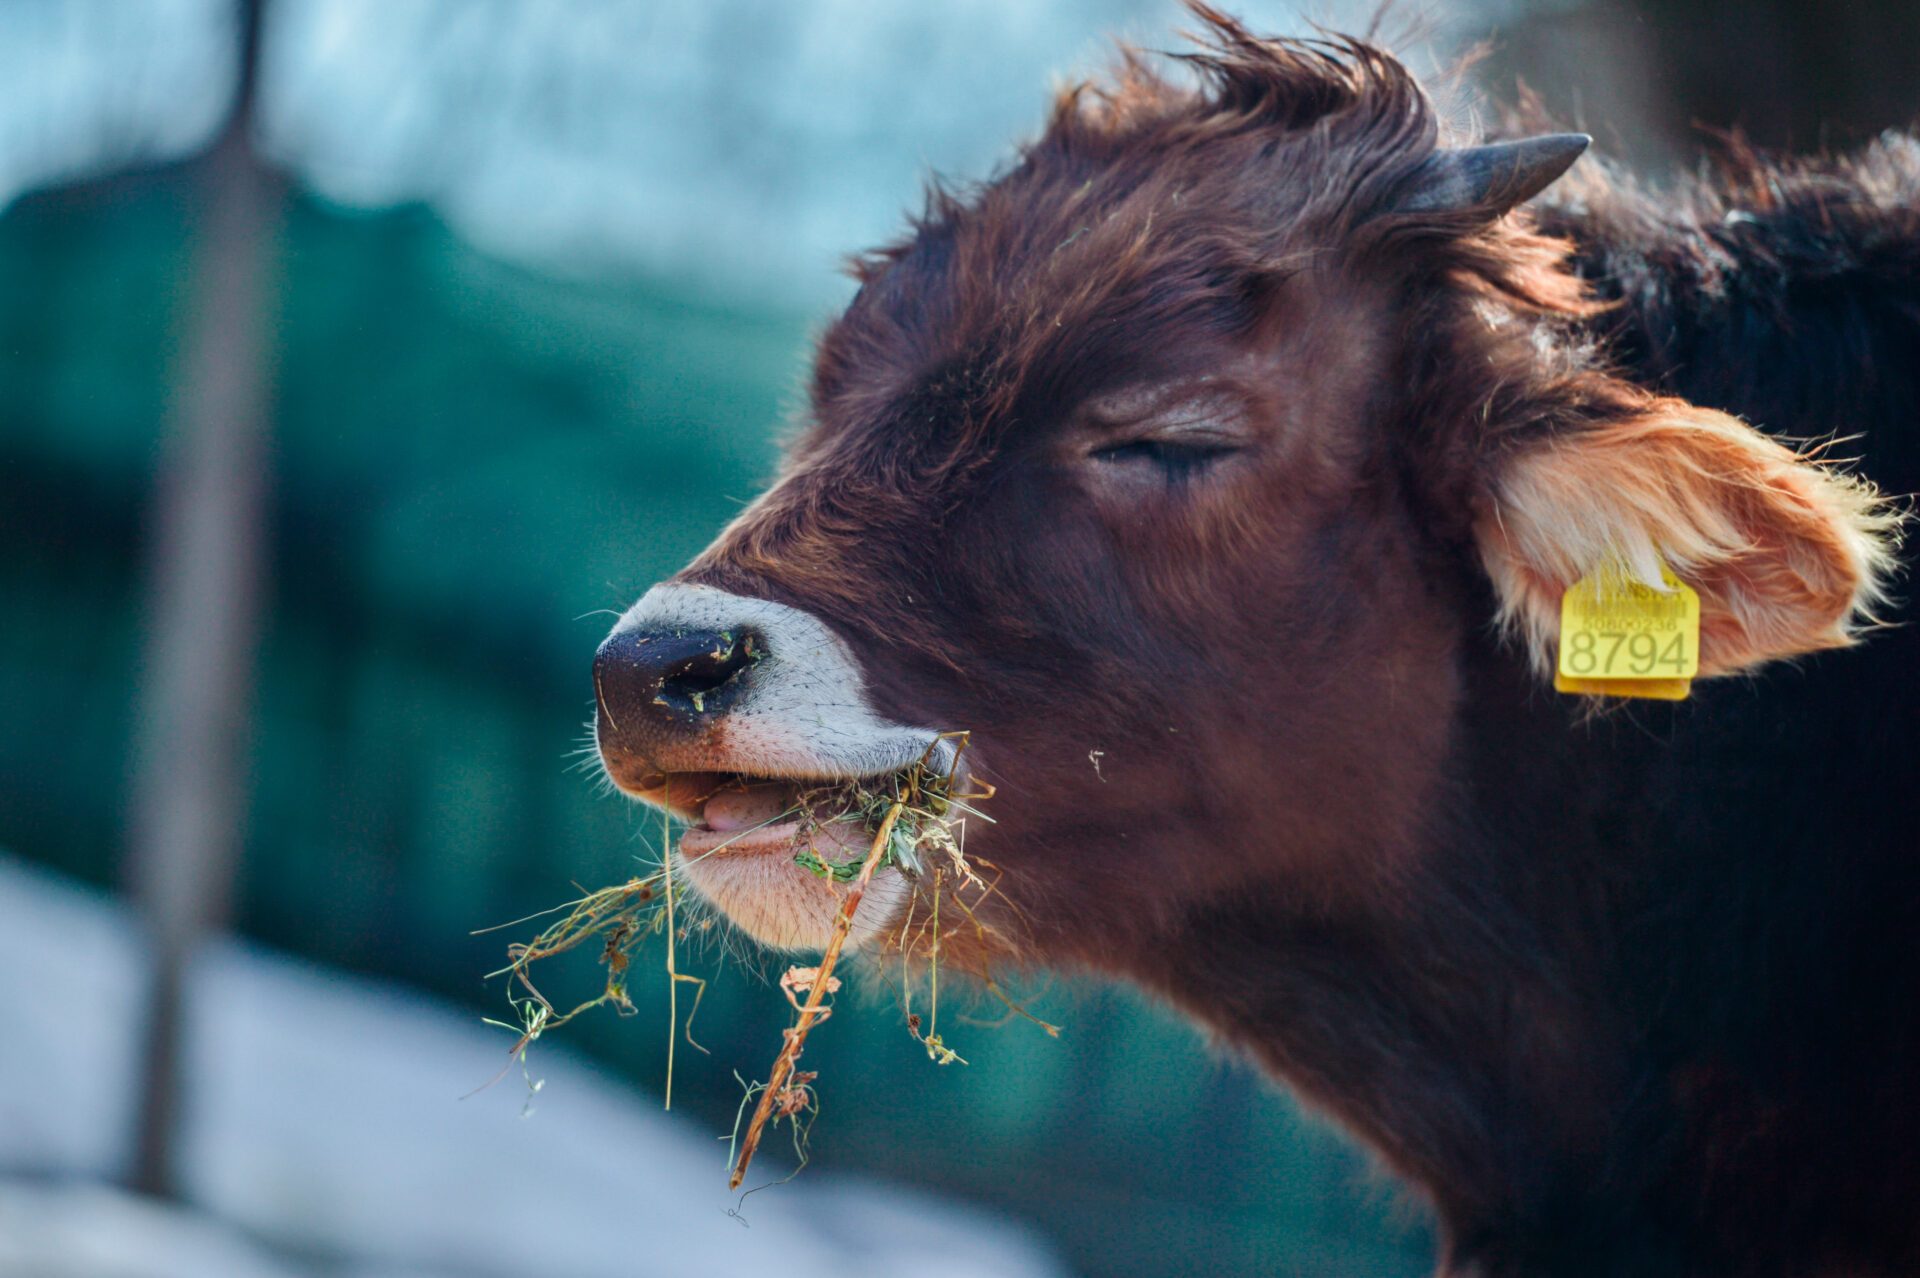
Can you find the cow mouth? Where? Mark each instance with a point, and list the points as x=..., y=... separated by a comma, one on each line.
x=778, y=854
x=737, y=814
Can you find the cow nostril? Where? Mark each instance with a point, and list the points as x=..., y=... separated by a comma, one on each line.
x=657, y=685
x=695, y=682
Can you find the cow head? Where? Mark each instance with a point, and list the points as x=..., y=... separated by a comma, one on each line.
x=1177, y=465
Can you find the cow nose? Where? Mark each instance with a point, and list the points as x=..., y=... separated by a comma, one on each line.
x=655, y=688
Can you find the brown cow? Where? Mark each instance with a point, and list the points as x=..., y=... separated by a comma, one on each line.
x=1221, y=466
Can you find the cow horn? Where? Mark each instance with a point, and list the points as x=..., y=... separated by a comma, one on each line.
x=1492, y=178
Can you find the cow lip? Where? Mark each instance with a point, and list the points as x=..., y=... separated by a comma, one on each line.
x=702, y=841
x=682, y=794
x=729, y=835
x=686, y=797
x=686, y=794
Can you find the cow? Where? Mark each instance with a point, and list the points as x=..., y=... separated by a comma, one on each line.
x=1220, y=467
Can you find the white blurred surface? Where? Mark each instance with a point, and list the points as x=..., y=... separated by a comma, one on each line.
x=325, y=1134
x=92, y=85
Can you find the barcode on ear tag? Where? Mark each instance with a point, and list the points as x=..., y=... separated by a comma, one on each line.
x=1622, y=638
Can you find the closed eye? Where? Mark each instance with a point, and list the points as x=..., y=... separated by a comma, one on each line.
x=1176, y=459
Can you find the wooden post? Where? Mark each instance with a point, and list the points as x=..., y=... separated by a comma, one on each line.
x=204, y=583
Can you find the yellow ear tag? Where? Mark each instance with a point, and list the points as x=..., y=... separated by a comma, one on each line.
x=1621, y=638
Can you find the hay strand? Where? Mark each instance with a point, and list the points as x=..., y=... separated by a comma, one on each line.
x=794, y=1039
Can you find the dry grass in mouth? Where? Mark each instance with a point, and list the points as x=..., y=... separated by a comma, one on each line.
x=911, y=816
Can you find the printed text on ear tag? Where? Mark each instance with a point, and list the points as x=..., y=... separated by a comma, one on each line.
x=1621, y=638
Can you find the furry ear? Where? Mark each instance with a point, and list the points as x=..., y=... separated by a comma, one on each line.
x=1788, y=555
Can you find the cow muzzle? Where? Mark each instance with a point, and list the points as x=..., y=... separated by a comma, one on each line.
x=733, y=714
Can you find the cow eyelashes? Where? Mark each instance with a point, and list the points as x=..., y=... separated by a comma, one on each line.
x=1176, y=459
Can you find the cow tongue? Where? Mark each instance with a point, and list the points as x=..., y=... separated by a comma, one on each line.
x=743, y=807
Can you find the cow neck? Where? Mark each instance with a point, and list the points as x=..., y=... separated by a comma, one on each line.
x=1440, y=1016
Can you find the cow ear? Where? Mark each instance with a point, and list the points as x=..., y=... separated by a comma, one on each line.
x=1788, y=555
x=1490, y=179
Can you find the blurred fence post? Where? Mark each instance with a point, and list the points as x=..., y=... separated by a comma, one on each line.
x=204, y=584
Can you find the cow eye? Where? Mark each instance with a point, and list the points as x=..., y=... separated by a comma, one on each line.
x=1176, y=459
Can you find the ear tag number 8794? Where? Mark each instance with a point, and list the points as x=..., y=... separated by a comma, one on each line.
x=1621, y=637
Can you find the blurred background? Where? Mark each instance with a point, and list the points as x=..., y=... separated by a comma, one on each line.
x=354, y=354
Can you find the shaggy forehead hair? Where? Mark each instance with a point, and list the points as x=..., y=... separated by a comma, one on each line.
x=1152, y=214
